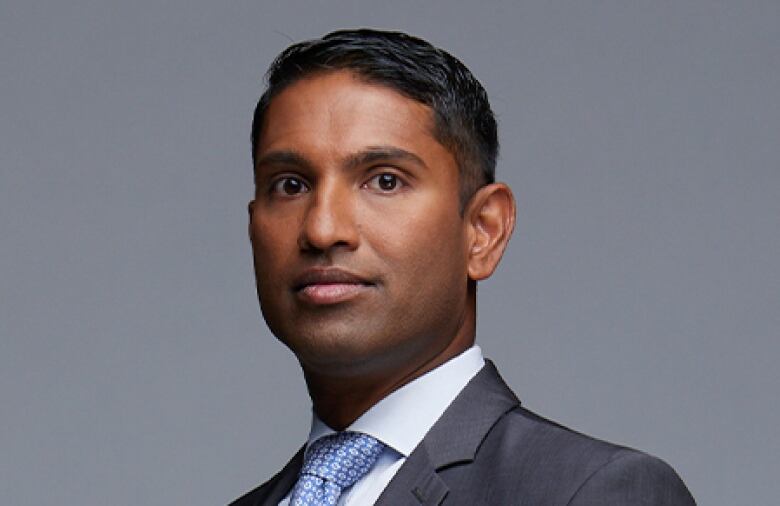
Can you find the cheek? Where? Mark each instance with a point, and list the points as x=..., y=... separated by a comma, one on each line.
x=427, y=249
x=271, y=239
x=268, y=258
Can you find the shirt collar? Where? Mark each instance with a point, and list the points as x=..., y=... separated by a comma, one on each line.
x=402, y=419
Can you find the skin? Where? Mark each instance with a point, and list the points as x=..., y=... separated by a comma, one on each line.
x=366, y=267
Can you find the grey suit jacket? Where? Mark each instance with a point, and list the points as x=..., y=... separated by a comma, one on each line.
x=488, y=450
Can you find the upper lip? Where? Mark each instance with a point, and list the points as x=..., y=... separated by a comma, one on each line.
x=328, y=275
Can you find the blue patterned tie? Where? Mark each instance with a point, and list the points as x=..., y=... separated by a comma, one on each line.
x=332, y=464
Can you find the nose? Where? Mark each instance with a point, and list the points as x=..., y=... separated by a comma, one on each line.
x=329, y=222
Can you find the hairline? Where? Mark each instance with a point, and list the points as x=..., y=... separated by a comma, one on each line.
x=437, y=128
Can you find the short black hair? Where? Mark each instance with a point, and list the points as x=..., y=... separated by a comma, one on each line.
x=464, y=123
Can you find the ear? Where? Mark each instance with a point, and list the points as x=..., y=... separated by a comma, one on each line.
x=250, y=210
x=490, y=217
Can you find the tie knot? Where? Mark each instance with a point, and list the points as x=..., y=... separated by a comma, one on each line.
x=342, y=458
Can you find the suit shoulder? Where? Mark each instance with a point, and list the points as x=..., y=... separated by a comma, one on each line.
x=570, y=466
x=633, y=477
x=558, y=442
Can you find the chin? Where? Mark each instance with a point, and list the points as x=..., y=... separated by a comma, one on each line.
x=339, y=351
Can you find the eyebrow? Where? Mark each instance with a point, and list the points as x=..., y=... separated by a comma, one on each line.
x=375, y=154
x=285, y=157
x=371, y=154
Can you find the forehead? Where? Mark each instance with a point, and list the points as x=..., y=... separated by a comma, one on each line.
x=339, y=112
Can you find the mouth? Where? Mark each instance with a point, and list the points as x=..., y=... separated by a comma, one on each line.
x=327, y=286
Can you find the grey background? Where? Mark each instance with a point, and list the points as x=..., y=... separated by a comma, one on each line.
x=638, y=302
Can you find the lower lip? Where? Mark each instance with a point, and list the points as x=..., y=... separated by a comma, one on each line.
x=331, y=293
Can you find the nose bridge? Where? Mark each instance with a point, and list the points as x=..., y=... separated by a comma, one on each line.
x=330, y=216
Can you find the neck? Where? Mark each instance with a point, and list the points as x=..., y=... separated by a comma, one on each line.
x=340, y=400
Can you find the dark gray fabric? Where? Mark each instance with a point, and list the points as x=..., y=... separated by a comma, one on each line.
x=487, y=449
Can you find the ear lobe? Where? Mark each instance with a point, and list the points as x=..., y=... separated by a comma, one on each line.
x=491, y=219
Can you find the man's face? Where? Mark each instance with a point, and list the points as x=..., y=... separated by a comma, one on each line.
x=360, y=250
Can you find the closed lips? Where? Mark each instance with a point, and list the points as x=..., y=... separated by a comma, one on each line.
x=328, y=277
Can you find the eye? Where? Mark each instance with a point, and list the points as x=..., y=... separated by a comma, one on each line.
x=289, y=185
x=385, y=182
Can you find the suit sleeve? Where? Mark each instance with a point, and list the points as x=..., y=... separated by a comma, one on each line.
x=633, y=479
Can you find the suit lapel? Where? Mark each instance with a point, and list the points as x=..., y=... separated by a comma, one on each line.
x=415, y=484
x=282, y=483
x=453, y=440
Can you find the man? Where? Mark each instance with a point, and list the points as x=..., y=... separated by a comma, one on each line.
x=375, y=215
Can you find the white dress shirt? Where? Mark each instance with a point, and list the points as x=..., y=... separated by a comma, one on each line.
x=400, y=421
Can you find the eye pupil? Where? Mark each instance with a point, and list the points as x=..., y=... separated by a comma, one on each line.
x=387, y=182
x=291, y=186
